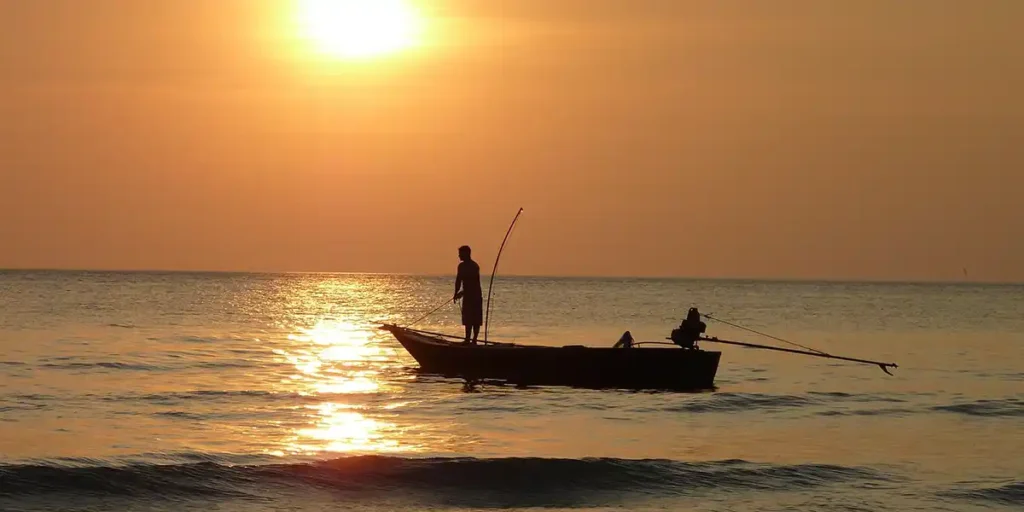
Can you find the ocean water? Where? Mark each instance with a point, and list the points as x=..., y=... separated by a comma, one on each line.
x=260, y=392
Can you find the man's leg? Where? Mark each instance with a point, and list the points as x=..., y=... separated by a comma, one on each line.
x=476, y=333
x=468, y=329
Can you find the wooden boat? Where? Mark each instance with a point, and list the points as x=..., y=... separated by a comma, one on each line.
x=663, y=368
x=683, y=367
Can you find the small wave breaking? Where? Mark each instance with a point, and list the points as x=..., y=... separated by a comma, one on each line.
x=506, y=481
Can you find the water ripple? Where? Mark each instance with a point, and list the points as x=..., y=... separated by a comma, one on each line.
x=1002, y=407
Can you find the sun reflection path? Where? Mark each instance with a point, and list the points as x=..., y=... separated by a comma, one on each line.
x=341, y=430
x=343, y=364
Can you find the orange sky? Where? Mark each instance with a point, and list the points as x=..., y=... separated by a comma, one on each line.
x=805, y=139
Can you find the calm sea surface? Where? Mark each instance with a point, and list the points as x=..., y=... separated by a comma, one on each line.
x=258, y=392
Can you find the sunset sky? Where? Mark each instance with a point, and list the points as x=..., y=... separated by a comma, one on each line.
x=863, y=139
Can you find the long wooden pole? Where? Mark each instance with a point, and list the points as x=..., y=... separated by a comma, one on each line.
x=883, y=366
x=490, y=285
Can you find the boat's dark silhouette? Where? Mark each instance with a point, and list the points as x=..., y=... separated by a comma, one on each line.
x=683, y=367
x=668, y=368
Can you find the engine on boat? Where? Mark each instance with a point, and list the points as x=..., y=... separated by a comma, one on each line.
x=689, y=330
x=626, y=341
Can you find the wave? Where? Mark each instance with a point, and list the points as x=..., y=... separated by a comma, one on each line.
x=850, y=397
x=118, y=365
x=182, y=415
x=1009, y=494
x=1007, y=407
x=111, y=365
x=729, y=402
x=217, y=395
x=518, y=482
x=20, y=407
x=216, y=365
x=868, y=412
x=712, y=403
x=739, y=402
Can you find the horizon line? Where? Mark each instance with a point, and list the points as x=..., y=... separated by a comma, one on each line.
x=781, y=279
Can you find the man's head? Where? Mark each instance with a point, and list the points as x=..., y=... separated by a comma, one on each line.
x=464, y=252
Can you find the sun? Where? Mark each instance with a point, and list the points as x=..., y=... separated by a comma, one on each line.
x=360, y=29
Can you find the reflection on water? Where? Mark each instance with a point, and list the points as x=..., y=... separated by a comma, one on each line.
x=340, y=429
x=343, y=363
x=351, y=384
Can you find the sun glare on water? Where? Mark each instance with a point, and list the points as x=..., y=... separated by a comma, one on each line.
x=360, y=29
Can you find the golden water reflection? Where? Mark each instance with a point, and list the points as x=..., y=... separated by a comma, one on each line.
x=348, y=367
x=340, y=429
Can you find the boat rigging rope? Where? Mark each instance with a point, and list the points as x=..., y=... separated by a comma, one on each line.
x=709, y=317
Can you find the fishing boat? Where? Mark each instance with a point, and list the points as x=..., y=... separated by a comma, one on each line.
x=628, y=364
x=573, y=365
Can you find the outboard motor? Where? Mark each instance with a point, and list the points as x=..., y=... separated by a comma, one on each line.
x=689, y=330
x=626, y=341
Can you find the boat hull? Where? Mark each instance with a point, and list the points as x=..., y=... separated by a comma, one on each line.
x=576, y=366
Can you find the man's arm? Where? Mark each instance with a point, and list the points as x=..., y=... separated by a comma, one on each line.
x=458, y=283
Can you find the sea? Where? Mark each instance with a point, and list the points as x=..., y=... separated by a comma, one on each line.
x=167, y=391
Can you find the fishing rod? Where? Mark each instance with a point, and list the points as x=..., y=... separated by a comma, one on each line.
x=490, y=285
x=883, y=366
x=431, y=312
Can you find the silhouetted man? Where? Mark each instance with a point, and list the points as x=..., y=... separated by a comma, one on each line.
x=468, y=279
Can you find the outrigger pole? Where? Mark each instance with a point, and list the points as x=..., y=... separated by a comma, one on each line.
x=808, y=351
x=490, y=285
x=883, y=366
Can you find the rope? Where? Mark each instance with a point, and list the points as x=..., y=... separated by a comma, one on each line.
x=709, y=317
